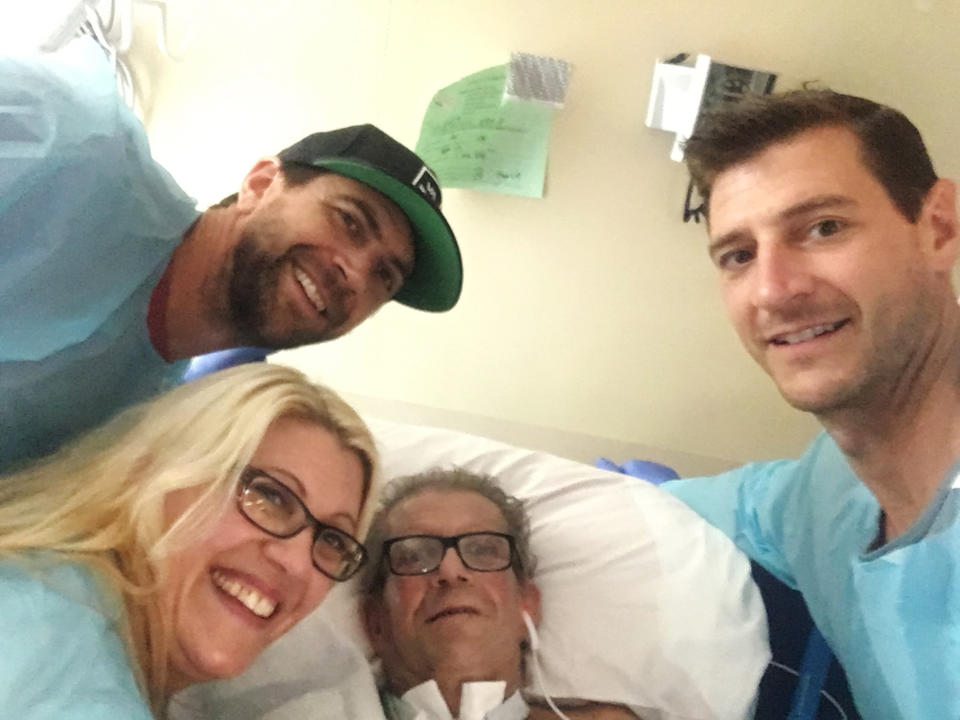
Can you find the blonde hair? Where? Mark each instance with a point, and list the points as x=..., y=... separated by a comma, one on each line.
x=100, y=500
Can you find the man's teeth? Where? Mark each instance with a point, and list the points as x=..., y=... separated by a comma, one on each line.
x=253, y=600
x=309, y=288
x=808, y=334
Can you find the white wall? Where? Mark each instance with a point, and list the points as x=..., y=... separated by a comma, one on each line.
x=595, y=310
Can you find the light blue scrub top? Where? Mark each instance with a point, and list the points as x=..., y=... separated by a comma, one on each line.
x=88, y=222
x=892, y=614
x=60, y=657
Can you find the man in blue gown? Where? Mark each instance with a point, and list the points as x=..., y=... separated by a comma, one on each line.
x=835, y=242
x=111, y=279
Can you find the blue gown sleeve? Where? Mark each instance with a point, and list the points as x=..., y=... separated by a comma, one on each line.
x=85, y=212
x=746, y=504
x=60, y=656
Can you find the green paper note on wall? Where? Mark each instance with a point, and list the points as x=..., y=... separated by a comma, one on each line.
x=474, y=138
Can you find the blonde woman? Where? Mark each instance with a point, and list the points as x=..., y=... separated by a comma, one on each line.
x=172, y=545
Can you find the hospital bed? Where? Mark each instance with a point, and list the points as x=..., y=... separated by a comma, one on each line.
x=644, y=604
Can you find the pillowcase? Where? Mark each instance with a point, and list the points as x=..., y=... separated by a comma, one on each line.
x=643, y=603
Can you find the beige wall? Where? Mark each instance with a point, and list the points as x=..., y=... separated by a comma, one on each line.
x=594, y=310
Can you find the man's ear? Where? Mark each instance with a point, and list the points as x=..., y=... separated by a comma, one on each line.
x=530, y=600
x=939, y=217
x=256, y=182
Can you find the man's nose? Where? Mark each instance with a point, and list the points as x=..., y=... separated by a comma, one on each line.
x=780, y=276
x=451, y=567
x=356, y=266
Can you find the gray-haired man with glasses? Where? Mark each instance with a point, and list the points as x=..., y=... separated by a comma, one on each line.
x=448, y=584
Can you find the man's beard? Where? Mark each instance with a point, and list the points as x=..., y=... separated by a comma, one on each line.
x=888, y=367
x=252, y=296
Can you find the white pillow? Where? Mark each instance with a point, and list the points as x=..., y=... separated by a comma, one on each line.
x=644, y=603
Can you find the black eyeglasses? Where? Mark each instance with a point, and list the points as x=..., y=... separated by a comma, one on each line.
x=274, y=508
x=422, y=554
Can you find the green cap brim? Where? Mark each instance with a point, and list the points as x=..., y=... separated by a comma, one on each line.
x=437, y=275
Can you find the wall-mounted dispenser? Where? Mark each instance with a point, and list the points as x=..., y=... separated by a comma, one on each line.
x=681, y=91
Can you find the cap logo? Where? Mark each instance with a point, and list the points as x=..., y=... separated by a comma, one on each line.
x=426, y=184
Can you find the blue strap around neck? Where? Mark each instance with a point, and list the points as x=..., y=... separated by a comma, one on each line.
x=817, y=657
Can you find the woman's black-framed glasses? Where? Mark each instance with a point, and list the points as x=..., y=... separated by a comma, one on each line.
x=422, y=554
x=274, y=508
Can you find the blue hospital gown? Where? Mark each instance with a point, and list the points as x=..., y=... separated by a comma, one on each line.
x=61, y=658
x=890, y=614
x=88, y=221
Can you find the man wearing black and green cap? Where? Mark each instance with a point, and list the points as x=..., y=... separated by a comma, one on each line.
x=317, y=239
x=111, y=280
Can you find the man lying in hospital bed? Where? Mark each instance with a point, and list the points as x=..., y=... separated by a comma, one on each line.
x=643, y=604
x=450, y=603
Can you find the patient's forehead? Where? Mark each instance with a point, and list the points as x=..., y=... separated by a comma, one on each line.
x=444, y=512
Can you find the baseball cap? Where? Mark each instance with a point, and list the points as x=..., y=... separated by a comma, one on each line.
x=368, y=155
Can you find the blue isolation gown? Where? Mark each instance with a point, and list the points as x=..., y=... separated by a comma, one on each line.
x=891, y=614
x=88, y=221
x=62, y=657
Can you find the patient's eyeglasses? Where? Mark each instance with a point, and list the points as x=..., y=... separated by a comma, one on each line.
x=422, y=554
x=274, y=508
